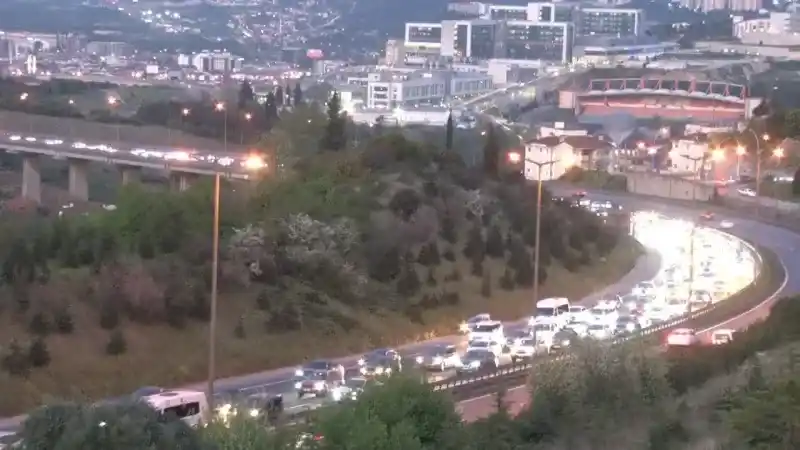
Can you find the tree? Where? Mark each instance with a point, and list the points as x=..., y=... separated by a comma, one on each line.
x=270, y=112
x=767, y=418
x=448, y=143
x=491, y=153
x=116, y=343
x=408, y=284
x=38, y=355
x=507, y=280
x=335, y=138
x=39, y=324
x=486, y=284
x=297, y=97
x=280, y=97
x=495, y=247
x=15, y=360
x=796, y=183
x=246, y=95
x=447, y=229
x=763, y=109
x=405, y=203
x=402, y=414
x=63, y=321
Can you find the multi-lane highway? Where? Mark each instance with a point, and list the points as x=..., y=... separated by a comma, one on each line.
x=781, y=241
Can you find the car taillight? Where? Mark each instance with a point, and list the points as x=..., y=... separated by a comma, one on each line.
x=318, y=437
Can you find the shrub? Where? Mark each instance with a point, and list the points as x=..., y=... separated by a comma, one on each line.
x=38, y=355
x=15, y=360
x=431, y=281
x=474, y=247
x=117, y=344
x=63, y=321
x=39, y=324
x=476, y=267
x=486, y=284
x=449, y=255
x=239, y=331
x=447, y=229
x=495, y=247
x=455, y=275
x=429, y=255
x=408, y=284
x=452, y=298
x=109, y=315
x=405, y=203
x=507, y=280
x=262, y=300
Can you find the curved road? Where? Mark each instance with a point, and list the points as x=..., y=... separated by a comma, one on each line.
x=781, y=241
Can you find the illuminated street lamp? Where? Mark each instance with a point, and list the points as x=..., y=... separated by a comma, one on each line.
x=252, y=163
x=247, y=118
x=113, y=102
x=23, y=98
x=740, y=151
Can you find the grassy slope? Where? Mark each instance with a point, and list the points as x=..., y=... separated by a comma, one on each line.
x=160, y=355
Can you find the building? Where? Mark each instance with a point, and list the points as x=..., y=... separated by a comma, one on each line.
x=561, y=129
x=604, y=50
x=557, y=154
x=507, y=12
x=425, y=35
x=688, y=154
x=478, y=39
x=396, y=89
x=215, y=62
x=106, y=49
x=732, y=5
x=395, y=52
x=619, y=22
x=551, y=12
x=526, y=40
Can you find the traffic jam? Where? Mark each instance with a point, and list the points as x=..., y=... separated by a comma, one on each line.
x=700, y=266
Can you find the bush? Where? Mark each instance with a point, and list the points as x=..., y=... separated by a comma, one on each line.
x=486, y=284
x=117, y=344
x=39, y=324
x=63, y=321
x=476, y=267
x=507, y=280
x=38, y=355
x=262, y=300
x=447, y=229
x=408, y=284
x=429, y=255
x=109, y=315
x=475, y=247
x=451, y=298
x=405, y=203
x=495, y=247
x=239, y=331
x=449, y=255
x=16, y=361
x=455, y=275
x=431, y=281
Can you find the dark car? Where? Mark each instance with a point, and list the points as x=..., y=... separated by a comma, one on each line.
x=628, y=324
x=330, y=368
x=514, y=337
x=265, y=406
x=316, y=383
x=439, y=357
x=562, y=340
x=380, y=362
x=477, y=360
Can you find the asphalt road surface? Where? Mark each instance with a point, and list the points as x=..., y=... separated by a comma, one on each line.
x=781, y=241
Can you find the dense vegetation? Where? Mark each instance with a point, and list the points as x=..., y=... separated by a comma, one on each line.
x=344, y=247
x=730, y=397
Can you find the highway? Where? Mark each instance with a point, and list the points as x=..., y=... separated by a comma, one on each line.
x=161, y=158
x=281, y=381
x=781, y=241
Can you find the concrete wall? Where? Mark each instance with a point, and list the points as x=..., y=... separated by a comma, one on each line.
x=668, y=187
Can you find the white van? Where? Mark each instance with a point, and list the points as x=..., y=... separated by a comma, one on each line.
x=490, y=330
x=188, y=406
x=555, y=309
x=543, y=333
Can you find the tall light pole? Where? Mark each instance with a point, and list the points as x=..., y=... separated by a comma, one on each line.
x=247, y=118
x=221, y=107
x=516, y=158
x=252, y=163
x=695, y=160
x=24, y=98
x=112, y=102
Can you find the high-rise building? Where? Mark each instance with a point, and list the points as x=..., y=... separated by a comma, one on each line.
x=619, y=22
x=419, y=34
x=507, y=12
x=470, y=38
x=744, y=5
x=528, y=40
x=551, y=12
x=395, y=52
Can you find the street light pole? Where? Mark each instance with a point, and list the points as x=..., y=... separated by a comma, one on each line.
x=537, y=236
x=212, y=323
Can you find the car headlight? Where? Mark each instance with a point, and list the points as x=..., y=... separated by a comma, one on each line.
x=420, y=359
x=319, y=385
x=254, y=412
x=336, y=394
x=378, y=370
x=298, y=385
x=437, y=360
x=474, y=364
x=362, y=370
x=299, y=372
x=361, y=362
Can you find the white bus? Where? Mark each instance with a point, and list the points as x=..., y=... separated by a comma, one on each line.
x=555, y=309
x=188, y=406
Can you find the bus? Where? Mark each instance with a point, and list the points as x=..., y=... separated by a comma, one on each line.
x=555, y=309
x=189, y=406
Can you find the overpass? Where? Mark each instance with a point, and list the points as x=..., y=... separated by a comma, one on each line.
x=184, y=166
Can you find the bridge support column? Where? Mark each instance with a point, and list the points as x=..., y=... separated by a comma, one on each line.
x=181, y=181
x=31, y=179
x=79, y=179
x=130, y=174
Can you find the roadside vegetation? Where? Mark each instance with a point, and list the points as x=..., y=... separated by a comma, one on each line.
x=341, y=248
x=742, y=395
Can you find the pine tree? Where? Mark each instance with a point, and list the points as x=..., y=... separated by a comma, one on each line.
x=448, y=143
x=270, y=112
x=334, y=138
x=246, y=94
x=297, y=98
x=280, y=97
x=491, y=153
x=287, y=96
x=38, y=355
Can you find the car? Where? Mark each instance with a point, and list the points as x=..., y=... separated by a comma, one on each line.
x=481, y=344
x=350, y=389
x=487, y=331
x=722, y=336
x=9, y=440
x=477, y=359
x=523, y=349
x=605, y=313
x=644, y=289
x=328, y=367
x=657, y=314
x=747, y=192
x=514, y=337
x=578, y=313
x=264, y=405
x=628, y=324
x=707, y=216
x=15, y=137
x=600, y=330
x=316, y=383
x=470, y=323
x=543, y=333
x=579, y=328
x=380, y=362
x=563, y=340
x=726, y=224
x=439, y=357
x=682, y=337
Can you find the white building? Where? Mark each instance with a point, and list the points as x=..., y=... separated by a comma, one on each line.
x=557, y=154
x=688, y=154
x=392, y=89
x=211, y=62
x=559, y=129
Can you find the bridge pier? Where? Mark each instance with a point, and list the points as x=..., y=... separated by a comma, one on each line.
x=130, y=174
x=31, y=178
x=182, y=181
x=79, y=179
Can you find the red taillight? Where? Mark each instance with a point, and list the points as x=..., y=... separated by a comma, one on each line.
x=318, y=437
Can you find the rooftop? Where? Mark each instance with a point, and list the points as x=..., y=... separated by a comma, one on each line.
x=576, y=142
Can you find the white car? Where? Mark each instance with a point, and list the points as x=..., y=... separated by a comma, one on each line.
x=657, y=314
x=524, y=349
x=543, y=333
x=9, y=440
x=580, y=328
x=726, y=224
x=470, y=323
x=492, y=346
x=747, y=192
x=579, y=314
x=15, y=137
x=682, y=337
x=645, y=288
x=600, y=330
x=605, y=313
x=722, y=336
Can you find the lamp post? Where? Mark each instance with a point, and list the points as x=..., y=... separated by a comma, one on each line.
x=247, y=117
x=221, y=107
x=252, y=163
x=113, y=102
x=516, y=158
x=24, y=98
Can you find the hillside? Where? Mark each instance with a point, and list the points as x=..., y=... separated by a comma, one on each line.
x=387, y=244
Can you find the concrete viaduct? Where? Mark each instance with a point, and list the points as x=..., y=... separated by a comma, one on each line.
x=183, y=171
